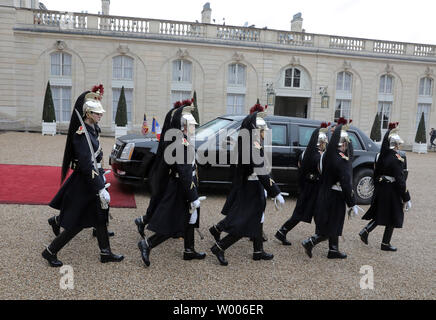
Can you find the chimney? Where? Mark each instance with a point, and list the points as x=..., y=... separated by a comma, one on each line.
x=105, y=4
x=297, y=23
x=206, y=14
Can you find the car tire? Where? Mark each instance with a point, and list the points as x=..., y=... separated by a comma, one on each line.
x=363, y=185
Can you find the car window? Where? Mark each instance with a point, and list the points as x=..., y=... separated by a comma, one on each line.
x=304, y=134
x=279, y=134
x=211, y=128
x=355, y=140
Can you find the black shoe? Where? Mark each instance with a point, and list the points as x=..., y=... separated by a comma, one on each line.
x=219, y=254
x=109, y=233
x=215, y=233
x=282, y=238
x=308, y=246
x=336, y=254
x=140, y=225
x=52, y=259
x=262, y=256
x=55, y=227
x=190, y=254
x=106, y=255
x=388, y=247
x=145, y=251
x=364, y=235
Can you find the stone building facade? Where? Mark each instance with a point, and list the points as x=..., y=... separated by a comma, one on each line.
x=159, y=61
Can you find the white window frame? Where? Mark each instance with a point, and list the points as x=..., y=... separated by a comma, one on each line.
x=342, y=110
x=384, y=109
x=235, y=106
x=292, y=78
x=341, y=83
x=238, y=73
x=62, y=65
x=182, y=73
x=60, y=107
x=123, y=64
x=383, y=86
x=426, y=87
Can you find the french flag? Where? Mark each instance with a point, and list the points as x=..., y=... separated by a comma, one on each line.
x=155, y=128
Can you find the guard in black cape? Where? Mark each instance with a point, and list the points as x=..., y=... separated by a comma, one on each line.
x=83, y=200
x=177, y=212
x=335, y=192
x=390, y=192
x=158, y=178
x=245, y=215
x=309, y=176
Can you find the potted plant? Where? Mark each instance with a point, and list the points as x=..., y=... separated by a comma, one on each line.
x=121, y=116
x=420, y=145
x=48, y=113
x=195, y=111
x=376, y=130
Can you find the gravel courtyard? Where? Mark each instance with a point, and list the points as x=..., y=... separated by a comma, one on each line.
x=409, y=273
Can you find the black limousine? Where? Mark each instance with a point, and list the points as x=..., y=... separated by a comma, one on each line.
x=132, y=155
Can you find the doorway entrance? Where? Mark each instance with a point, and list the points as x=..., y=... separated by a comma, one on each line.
x=291, y=106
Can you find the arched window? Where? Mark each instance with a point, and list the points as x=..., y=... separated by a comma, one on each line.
x=426, y=86
x=60, y=63
x=236, y=75
x=386, y=84
x=292, y=78
x=182, y=71
x=122, y=68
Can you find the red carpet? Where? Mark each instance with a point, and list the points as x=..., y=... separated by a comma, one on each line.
x=25, y=184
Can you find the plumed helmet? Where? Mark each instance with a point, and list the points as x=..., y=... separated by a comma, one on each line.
x=394, y=138
x=260, y=115
x=322, y=135
x=345, y=126
x=93, y=100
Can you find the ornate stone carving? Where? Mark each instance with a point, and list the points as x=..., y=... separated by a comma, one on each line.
x=123, y=49
x=346, y=65
x=60, y=45
x=428, y=72
x=389, y=69
x=295, y=61
x=238, y=57
x=182, y=53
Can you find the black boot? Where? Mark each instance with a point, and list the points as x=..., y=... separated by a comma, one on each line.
x=109, y=233
x=387, y=235
x=215, y=232
x=54, y=225
x=190, y=254
x=140, y=225
x=219, y=254
x=281, y=236
x=51, y=258
x=145, y=251
x=310, y=243
x=106, y=255
x=364, y=233
x=258, y=252
x=334, y=252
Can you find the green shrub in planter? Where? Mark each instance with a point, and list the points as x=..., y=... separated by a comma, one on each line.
x=48, y=111
x=376, y=130
x=121, y=116
x=195, y=111
x=420, y=133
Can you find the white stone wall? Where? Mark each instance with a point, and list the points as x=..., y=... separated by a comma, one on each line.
x=25, y=68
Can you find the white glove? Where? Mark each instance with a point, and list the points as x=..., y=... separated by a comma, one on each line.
x=194, y=217
x=105, y=173
x=195, y=204
x=105, y=198
x=408, y=205
x=279, y=201
x=355, y=209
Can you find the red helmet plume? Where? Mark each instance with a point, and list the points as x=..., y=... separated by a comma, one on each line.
x=257, y=107
x=393, y=125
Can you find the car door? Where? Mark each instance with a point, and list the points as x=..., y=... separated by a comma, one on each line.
x=281, y=151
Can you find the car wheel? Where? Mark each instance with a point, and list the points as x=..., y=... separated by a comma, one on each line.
x=363, y=185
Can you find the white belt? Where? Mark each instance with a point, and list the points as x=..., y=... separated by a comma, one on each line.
x=99, y=165
x=389, y=178
x=336, y=187
x=253, y=177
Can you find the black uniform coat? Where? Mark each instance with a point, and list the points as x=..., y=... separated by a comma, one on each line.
x=330, y=211
x=308, y=181
x=172, y=212
x=387, y=203
x=78, y=199
x=248, y=201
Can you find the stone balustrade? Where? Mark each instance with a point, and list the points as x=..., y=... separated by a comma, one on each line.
x=166, y=28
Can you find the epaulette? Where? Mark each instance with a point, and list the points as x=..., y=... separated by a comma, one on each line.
x=399, y=157
x=80, y=130
x=185, y=142
x=257, y=145
x=343, y=156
